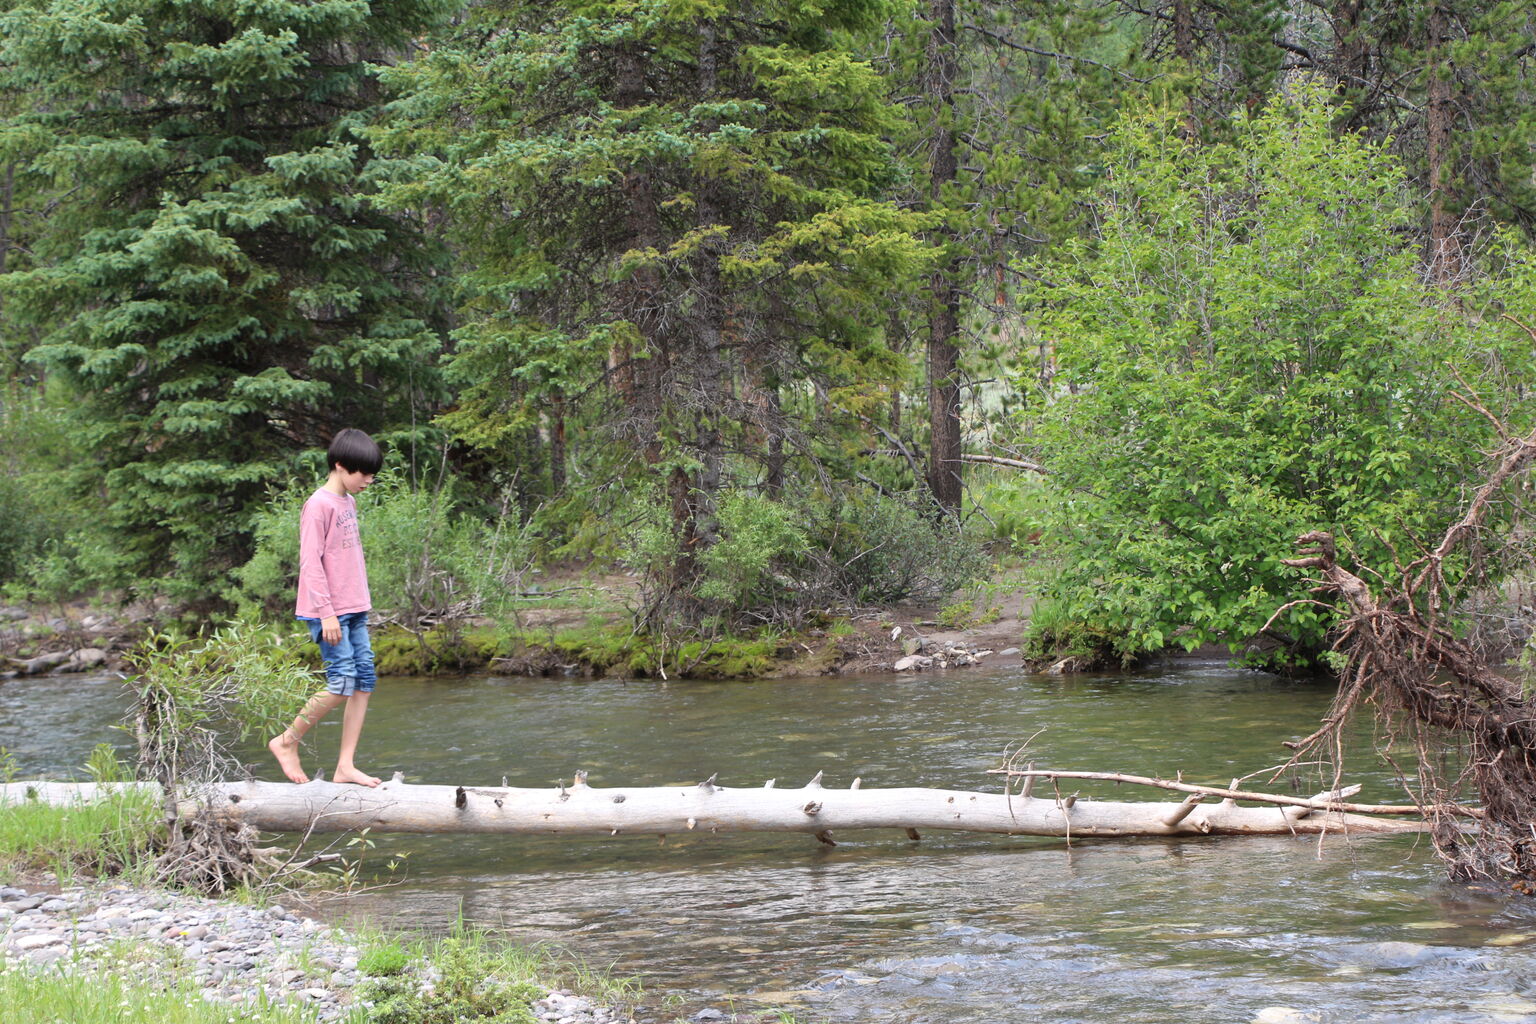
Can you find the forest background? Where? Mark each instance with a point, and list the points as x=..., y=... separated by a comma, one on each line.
x=786, y=307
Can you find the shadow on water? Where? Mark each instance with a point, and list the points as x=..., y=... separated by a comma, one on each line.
x=956, y=928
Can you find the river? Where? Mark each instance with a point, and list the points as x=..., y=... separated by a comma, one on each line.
x=951, y=930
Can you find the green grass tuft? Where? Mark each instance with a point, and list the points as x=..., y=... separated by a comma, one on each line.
x=50, y=997
x=118, y=836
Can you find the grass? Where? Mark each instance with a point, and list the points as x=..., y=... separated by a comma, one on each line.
x=467, y=957
x=118, y=836
x=52, y=997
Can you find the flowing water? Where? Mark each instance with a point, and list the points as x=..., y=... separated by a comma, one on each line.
x=953, y=929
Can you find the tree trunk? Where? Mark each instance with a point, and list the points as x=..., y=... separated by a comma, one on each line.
x=557, y=446
x=944, y=317
x=661, y=810
x=1444, y=245
x=1184, y=50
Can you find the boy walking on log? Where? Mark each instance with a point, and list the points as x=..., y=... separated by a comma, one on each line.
x=333, y=600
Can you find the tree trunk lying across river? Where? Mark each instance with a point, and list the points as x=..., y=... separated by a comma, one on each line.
x=580, y=809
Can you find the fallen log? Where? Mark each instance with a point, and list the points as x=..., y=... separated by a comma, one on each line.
x=580, y=809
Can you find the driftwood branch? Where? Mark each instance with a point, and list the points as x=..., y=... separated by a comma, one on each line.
x=1332, y=801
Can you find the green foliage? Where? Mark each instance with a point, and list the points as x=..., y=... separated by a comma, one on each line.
x=211, y=282
x=619, y=649
x=1054, y=634
x=754, y=533
x=601, y=163
x=468, y=989
x=197, y=695
x=786, y=561
x=120, y=834
x=426, y=554
x=51, y=544
x=444, y=648
x=47, y=997
x=1246, y=353
x=885, y=551
x=384, y=961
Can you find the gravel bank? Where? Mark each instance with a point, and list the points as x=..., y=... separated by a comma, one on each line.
x=233, y=951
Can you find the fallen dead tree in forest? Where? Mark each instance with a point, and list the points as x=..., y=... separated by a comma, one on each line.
x=1472, y=727
x=580, y=809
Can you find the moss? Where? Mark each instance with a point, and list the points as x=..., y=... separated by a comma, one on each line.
x=601, y=650
x=593, y=650
x=443, y=649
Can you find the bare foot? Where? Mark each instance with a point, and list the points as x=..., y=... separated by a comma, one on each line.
x=354, y=776
x=286, y=751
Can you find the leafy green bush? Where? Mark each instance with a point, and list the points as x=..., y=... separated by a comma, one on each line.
x=52, y=547
x=784, y=561
x=880, y=551
x=468, y=989
x=425, y=555
x=197, y=695
x=1248, y=352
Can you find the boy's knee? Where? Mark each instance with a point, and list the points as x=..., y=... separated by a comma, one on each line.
x=341, y=686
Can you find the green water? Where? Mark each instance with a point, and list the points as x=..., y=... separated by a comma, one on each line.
x=956, y=928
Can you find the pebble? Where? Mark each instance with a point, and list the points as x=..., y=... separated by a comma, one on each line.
x=233, y=951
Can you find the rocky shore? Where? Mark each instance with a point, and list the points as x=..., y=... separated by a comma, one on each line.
x=38, y=641
x=235, y=952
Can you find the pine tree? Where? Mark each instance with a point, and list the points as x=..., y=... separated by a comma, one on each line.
x=212, y=279
x=673, y=214
x=1449, y=83
x=1007, y=97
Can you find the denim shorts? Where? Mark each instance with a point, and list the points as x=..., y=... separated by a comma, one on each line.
x=349, y=663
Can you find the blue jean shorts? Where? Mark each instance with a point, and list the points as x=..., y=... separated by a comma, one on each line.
x=349, y=663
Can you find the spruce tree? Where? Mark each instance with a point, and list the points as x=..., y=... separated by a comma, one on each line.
x=212, y=279
x=673, y=214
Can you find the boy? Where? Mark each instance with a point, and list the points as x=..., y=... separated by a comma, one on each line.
x=333, y=600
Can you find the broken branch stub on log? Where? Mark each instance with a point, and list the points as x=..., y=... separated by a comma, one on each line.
x=580, y=809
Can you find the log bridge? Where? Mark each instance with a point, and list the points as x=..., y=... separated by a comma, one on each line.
x=581, y=809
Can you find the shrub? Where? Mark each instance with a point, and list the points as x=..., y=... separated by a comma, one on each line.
x=1247, y=352
x=426, y=557
x=784, y=562
x=52, y=546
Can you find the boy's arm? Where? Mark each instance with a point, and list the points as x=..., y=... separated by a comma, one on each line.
x=314, y=588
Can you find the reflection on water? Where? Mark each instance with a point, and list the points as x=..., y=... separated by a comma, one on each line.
x=956, y=928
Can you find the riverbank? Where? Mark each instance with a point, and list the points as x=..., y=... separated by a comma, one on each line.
x=250, y=957
x=594, y=639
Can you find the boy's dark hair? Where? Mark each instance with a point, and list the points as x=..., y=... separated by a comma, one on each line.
x=355, y=450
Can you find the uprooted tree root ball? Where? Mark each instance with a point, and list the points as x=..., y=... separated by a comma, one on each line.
x=1474, y=730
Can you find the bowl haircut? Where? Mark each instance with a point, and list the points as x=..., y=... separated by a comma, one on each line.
x=355, y=451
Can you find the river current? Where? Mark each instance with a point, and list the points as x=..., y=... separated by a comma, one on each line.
x=953, y=929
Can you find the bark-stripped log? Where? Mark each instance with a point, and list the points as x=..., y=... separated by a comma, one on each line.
x=708, y=807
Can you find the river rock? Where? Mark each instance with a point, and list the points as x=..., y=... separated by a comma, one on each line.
x=912, y=663
x=85, y=659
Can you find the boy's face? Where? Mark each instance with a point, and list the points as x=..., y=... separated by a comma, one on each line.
x=352, y=481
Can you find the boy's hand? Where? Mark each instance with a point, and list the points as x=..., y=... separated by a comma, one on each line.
x=330, y=629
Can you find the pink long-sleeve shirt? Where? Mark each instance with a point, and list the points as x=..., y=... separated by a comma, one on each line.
x=332, y=577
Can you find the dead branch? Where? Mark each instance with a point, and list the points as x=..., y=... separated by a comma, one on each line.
x=1332, y=801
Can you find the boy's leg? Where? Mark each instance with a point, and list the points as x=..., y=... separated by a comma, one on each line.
x=351, y=730
x=285, y=745
x=339, y=681
x=355, y=633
